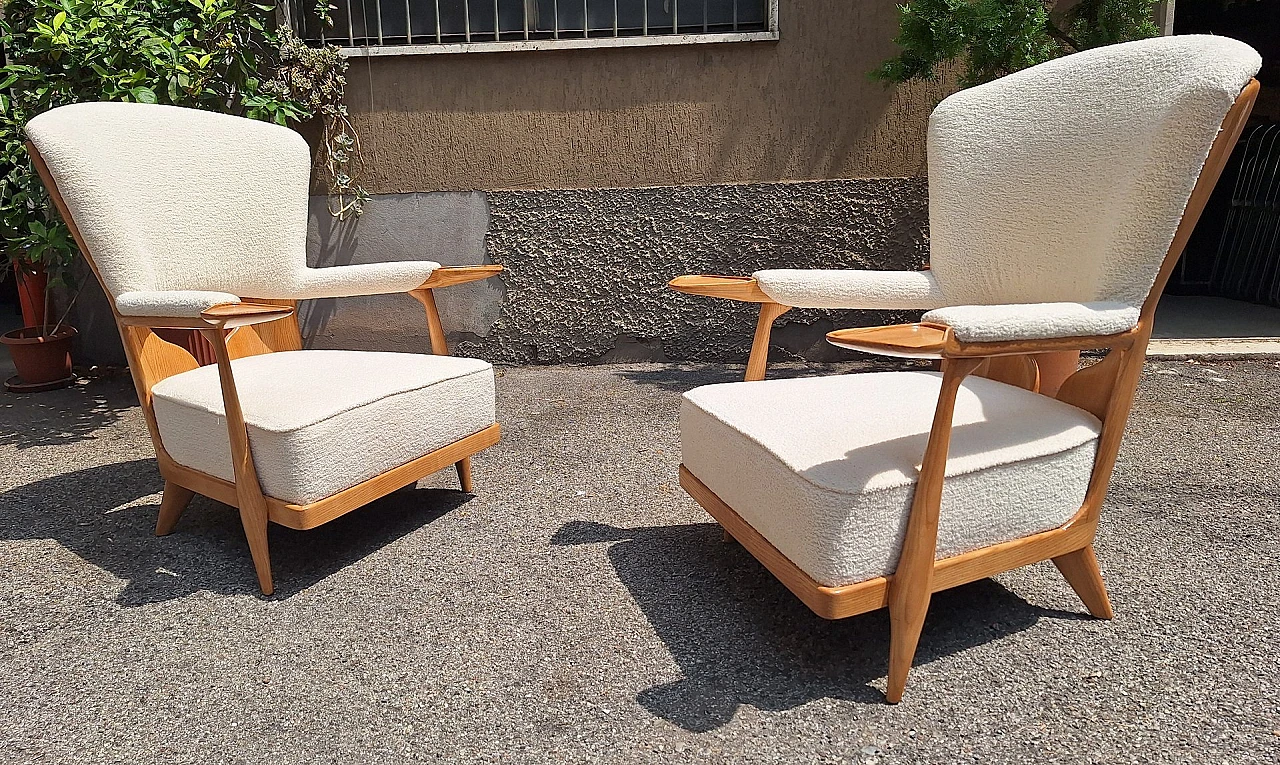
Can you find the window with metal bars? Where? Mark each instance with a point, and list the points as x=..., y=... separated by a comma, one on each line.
x=391, y=26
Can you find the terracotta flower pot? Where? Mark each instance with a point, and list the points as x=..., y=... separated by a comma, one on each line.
x=43, y=363
x=32, y=284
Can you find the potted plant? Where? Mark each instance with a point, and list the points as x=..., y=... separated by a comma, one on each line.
x=221, y=55
x=42, y=356
x=41, y=350
x=39, y=253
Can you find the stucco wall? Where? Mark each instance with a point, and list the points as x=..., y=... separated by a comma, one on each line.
x=796, y=109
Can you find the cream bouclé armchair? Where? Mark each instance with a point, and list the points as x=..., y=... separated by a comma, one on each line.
x=193, y=220
x=1060, y=200
x=959, y=241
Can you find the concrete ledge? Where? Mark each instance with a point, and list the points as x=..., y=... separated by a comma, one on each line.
x=1216, y=347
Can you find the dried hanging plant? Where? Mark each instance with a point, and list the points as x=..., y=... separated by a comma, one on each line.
x=316, y=78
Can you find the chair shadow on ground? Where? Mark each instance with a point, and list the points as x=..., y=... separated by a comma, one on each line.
x=680, y=377
x=741, y=638
x=92, y=513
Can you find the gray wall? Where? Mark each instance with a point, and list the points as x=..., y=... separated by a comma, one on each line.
x=587, y=269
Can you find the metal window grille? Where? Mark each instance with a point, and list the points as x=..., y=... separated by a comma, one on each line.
x=461, y=24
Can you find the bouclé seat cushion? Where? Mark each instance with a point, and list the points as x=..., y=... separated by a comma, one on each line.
x=825, y=468
x=323, y=421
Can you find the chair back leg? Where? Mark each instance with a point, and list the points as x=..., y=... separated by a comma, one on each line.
x=1085, y=577
x=463, y=466
x=174, y=500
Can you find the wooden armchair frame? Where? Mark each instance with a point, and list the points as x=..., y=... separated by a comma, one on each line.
x=253, y=327
x=1105, y=389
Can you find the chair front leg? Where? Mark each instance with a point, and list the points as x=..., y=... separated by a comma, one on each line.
x=249, y=497
x=759, y=358
x=440, y=347
x=912, y=585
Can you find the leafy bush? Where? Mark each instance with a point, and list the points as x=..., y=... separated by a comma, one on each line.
x=219, y=55
x=997, y=37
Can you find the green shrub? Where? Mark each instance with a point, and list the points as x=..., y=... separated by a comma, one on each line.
x=993, y=38
x=219, y=55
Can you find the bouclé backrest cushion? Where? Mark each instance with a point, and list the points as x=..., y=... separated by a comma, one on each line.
x=1065, y=182
x=180, y=199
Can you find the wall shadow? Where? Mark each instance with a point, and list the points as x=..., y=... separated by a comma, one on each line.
x=91, y=513
x=741, y=638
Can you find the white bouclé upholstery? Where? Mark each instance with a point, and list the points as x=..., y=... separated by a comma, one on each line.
x=1061, y=183
x=322, y=421
x=825, y=467
x=182, y=303
x=171, y=199
x=1037, y=321
x=831, y=288
x=1065, y=182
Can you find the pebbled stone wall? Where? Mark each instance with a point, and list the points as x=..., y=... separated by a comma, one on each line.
x=588, y=268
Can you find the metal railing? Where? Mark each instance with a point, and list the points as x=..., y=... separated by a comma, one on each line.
x=388, y=23
x=1247, y=263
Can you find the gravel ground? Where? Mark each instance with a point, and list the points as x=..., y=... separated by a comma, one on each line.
x=581, y=608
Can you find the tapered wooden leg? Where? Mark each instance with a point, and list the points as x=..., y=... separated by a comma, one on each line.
x=463, y=466
x=906, y=619
x=912, y=585
x=249, y=497
x=254, y=520
x=1081, y=571
x=172, y=503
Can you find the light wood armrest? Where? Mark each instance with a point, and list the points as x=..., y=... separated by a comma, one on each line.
x=448, y=276
x=742, y=288
x=936, y=341
x=225, y=316
x=745, y=289
x=919, y=341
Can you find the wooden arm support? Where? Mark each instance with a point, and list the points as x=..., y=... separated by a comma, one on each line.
x=249, y=497
x=746, y=290
x=224, y=316
x=937, y=341
x=446, y=277
x=743, y=288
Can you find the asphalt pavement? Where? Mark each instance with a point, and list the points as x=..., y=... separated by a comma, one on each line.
x=580, y=608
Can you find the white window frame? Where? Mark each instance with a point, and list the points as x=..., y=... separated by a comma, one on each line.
x=770, y=34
